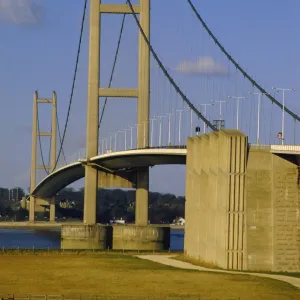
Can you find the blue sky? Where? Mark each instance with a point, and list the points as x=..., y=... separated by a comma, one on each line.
x=38, y=51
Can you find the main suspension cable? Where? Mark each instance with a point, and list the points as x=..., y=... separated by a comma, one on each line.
x=73, y=84
x=163, y=68
x=244, y=73
x=59, y=136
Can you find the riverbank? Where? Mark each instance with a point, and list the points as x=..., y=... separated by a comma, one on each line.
x=31, y=225
x=118, y=275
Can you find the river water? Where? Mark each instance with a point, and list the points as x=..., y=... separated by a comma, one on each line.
x=50, y=239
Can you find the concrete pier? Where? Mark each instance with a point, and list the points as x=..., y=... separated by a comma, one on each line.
x=82, y=236
x=214, y=229
x=143, y=238
x=242, y=204
x=117, y=237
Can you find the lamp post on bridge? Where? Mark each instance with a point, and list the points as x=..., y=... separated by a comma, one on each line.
x=283, y=106
x=120, y=131
x=131, y=135
x=102, y=145
x=180, y=111
x=125, y=131
x=116, y=136
x=110, y=141
x=237, y=108
x=106, y=144
x=220, y=110
x=191, y=121
x=160, y=130
x=205, y=110
x=258, y=115
x=151, y=130
x=169, y=127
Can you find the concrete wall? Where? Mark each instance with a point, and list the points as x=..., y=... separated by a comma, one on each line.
x=79, y=236
x=215, y=174
x=242, y=208
x=117, y=237
x=272, y=212
x=259, y=213
x=132, y=237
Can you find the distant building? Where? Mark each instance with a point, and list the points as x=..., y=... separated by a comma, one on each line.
x=66, y=204
x=179, y=221
x=117, y=221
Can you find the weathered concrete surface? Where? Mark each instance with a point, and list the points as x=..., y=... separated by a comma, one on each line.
x=168, y=260
x=117, y=237
x=81, y=236
x=272, y=228
x=215, y=174
x=242, y=207
x=131, y=237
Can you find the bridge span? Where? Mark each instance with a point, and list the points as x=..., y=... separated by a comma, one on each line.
x=110, y=163
x=129, y=160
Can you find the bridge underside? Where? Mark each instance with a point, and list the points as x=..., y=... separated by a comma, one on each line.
x=115, y=170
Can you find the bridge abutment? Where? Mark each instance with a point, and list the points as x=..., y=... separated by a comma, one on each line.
x=273, y=202
x=215, y=198
x=242, y=205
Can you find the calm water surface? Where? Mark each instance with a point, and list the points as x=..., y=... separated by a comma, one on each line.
x=40, y=239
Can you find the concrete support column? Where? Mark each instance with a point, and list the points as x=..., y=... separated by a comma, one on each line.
x=144, y=77
x=52, y=209
x=53, y=150
x=142, y=191
x=33, y=158
x=91, y=175
x=142, y=195
x=215, y=198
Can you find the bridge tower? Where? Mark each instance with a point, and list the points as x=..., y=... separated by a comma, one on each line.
x=142, y=93
x=36, y=133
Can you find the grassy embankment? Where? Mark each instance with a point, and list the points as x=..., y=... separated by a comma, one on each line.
x=124, y=275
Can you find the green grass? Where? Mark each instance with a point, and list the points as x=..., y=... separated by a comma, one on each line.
x=115, y=274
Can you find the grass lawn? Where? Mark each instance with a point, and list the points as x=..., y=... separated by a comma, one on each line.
x=124, y=275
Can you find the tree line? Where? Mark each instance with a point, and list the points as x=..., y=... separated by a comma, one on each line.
x=111, y=204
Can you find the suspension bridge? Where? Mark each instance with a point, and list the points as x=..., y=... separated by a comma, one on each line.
x=235, y=141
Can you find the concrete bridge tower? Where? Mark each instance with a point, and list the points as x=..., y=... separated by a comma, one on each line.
x=142, y=93
x=36, y=203
x=91, y=235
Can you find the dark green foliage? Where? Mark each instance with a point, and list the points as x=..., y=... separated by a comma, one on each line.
x=121, y=204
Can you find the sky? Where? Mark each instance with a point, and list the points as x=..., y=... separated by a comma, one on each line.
x=39, y=40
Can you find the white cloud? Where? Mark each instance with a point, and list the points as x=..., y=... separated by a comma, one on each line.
x=21, y=11
x=203, y=65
